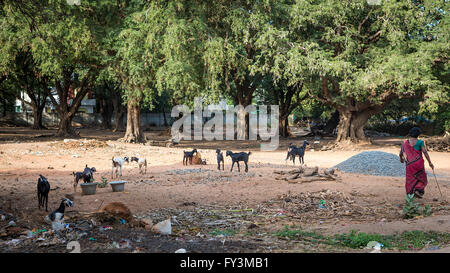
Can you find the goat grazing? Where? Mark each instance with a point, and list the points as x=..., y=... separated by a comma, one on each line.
x=188, y=156
x=236, y=157
x=43, y=188
x=293, y=151
x=58, y=214
x=220, y=159
x=118, y=162
x=87, y=175
x=142, y=162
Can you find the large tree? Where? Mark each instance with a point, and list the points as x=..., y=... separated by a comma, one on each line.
x=154, y=53
x=231, y=51
x=359, y=57
x=28, y=79
x=66, y=43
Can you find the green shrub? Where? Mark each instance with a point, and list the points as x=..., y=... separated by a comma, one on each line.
x=412, y=209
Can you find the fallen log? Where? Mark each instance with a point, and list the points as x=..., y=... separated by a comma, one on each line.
x=308, y=179
x=311, y=171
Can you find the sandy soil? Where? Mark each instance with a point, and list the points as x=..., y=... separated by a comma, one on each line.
x=25, y=154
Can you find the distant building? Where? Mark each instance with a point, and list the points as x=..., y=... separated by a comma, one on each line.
x=87, y=104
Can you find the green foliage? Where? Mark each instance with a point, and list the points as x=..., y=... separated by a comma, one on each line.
x=286, y=232
x=361, y=239
x=225, y=232
x=412, y=209
x=156, y=51
x=167, y=52
x=104, y=182
x=406, y=240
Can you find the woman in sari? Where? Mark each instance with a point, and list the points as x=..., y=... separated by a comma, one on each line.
x=416, y=177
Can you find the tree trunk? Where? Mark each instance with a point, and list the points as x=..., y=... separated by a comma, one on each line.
x=166, y=124
x=332, y=123
x=37, y=118
x=243, y=125
x=65, y=125
x=133, y=132
x=351, y=125
x=118, y=120
x=105, y=111
x=118, y=112
x=4, y=107
x=284, y=126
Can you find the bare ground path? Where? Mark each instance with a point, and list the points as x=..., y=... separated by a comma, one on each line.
x=167, y=185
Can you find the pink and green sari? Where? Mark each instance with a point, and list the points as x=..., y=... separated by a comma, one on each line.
x=416, y=177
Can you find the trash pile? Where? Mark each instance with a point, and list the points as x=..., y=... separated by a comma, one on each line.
x=327, y=206
x=373, y=163
x=82, y=143
x=305, y=174
x=200, y=221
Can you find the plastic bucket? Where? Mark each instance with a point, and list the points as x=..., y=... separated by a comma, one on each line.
x=117, y=185
x=88, y=188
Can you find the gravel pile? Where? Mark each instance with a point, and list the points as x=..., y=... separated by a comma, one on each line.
x=373, y=163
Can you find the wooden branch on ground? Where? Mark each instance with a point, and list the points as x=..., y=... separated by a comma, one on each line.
x=305, y=175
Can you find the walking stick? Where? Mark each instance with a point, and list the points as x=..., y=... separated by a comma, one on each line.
x=437, y=184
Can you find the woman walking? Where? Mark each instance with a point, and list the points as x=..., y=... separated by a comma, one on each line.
x=416, y=177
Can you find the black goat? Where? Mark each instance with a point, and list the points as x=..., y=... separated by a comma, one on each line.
x=188, y=155
x=293, y=151
x=43, y=188
x=220, y=159
x=236, y=157
x=87, y=175
x=58, y=214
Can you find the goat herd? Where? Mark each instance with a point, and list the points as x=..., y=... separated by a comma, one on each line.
x=43, y=186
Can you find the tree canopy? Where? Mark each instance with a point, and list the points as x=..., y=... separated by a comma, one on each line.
x=352, y=56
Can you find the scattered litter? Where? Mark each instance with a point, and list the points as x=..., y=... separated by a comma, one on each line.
x=30, y=234
x=13, y=242
x=105, y=228
x=322, y=204
x=12, y=224
x=122, y=244
x=164, y=227
x=181, y=250
x=433, y=248
x=375, y=246
x=92, y=239
x=56, y=226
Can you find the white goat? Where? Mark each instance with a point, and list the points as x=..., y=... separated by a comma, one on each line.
x=118, y=162
x=142, y=162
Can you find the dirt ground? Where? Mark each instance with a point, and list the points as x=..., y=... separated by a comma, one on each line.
x=207, y=202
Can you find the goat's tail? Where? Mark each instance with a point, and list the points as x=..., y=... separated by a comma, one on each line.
x=249, y=153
